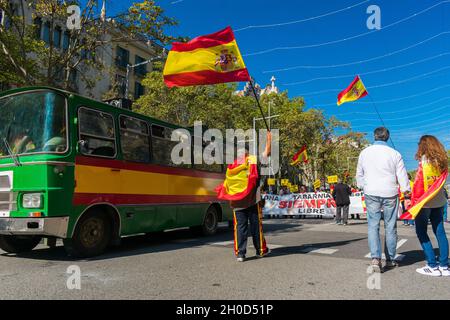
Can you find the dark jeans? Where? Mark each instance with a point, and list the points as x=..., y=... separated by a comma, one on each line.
x=241, y=228
x=435, y=215
x=342, y=213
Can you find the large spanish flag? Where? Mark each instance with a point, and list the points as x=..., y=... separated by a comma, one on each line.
x=427, y=185
x=300, y=156
x=354, y=91
x=210, y=59
x=241, y=179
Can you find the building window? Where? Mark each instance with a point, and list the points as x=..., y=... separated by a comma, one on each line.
x=57, y=37
x=142, y=69
x=138, y=90
x=134, y=139
x=46, y=33
x=38, y=26
x=122, y=57
x=121, y=84
x=66, y=40
x=73, y=76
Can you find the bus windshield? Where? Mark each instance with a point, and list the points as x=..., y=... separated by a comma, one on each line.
x=33, y=122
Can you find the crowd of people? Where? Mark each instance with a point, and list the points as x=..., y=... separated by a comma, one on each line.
x=389, y=193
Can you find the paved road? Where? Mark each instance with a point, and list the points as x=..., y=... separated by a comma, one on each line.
x=310, y=259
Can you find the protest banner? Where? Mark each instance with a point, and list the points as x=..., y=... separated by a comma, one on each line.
x=309, y=204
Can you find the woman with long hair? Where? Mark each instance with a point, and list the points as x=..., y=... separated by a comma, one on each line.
x=433, y=163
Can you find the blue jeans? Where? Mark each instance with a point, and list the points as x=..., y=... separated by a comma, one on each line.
x=390, y=208
x=436, y=216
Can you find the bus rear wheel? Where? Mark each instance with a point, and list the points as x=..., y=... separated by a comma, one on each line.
x=18, y=244
x=210, y=223
x=91, y=236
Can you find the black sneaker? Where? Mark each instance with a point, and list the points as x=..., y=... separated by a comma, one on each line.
x=240, y=258
x=264, y=254
x=391, y=264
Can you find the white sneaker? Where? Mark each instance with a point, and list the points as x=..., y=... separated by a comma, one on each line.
x=429, y=271
x=444, y=271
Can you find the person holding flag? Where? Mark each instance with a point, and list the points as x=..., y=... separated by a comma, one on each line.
x=427, y=204
x=211, y=59
x=242, y=189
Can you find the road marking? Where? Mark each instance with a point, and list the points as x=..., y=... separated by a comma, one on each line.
x=228, y=243
x=398, y=257
x=319, y=250
x=222, y=243
x=401, y=242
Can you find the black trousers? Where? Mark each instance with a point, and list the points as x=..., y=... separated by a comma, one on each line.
x=344, y=216
x=241, y=230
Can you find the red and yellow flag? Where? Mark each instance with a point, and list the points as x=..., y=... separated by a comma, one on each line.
x=241, y=179
x=354, y=91
x=429, y=181
x=301, y=156
x=210, y=59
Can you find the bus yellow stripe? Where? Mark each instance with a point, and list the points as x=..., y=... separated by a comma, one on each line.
x=93, y=179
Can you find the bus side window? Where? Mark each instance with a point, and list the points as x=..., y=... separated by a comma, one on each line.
x=97, y=133
x=162, y=146
x=134, y=139
x=215, y=167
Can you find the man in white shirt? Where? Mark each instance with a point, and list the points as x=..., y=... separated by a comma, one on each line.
x=379, y=174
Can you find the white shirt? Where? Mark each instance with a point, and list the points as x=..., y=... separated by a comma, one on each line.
x=381, y=170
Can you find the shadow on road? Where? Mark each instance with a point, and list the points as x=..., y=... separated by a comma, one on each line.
x=150, y=243
x=306, y=248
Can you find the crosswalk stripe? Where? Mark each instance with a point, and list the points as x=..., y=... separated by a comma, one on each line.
x=398, y=257
x=319, y=250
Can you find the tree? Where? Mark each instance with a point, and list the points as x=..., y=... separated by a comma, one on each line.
x=31, y=61
x=219, y=107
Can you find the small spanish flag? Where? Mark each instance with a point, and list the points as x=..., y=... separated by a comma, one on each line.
x=241, y=179
x=210, y=59
x=354, y=91
x=426, y=187
x=301, y=156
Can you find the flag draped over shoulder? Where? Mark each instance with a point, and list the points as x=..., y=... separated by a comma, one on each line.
x=210, y=59
x=300, y=156
x=241, y=179
x=356, y=90
x=427, y=185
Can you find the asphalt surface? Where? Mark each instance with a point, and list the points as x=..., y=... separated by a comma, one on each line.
x=310, y=259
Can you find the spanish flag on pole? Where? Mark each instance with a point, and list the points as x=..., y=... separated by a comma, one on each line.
x=241, y=179
x=354, y=91
x=210, y=59
x=429, y=181
x=301, y=156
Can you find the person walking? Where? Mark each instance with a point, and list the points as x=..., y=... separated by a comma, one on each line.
x=242, y=189
x=341, y=195
x=429, y=190
x=379, y=172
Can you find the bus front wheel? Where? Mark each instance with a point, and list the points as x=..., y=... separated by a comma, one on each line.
x=91, y=236
x=18, y=244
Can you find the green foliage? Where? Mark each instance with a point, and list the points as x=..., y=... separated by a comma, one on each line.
x=27, y=60
x=219, y=107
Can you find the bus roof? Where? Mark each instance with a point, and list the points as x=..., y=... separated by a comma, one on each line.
x=92, y=102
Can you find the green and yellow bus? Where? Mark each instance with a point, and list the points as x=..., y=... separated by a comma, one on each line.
x=90, y=173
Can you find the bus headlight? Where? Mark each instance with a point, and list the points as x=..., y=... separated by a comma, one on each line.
x=32, y=200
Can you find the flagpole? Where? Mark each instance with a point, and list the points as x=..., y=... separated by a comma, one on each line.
x=379, y=116
x=376, y=110
x=257, y=102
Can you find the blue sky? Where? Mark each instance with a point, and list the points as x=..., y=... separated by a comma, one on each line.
x=412, y=95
